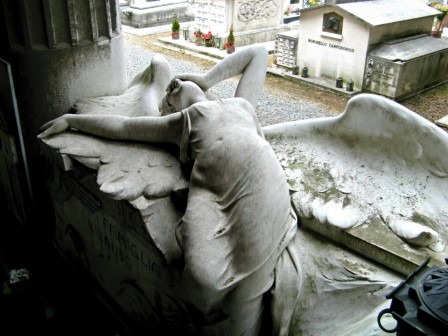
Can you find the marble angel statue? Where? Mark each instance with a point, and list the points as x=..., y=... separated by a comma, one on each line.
x=377, y=165
x=238, y=223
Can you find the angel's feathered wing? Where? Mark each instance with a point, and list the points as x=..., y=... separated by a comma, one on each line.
x=134, y=102
x=126, y=170
x=378, y=162
x=136, y=172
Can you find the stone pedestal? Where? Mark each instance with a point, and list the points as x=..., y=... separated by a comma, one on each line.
x=253, y=21
x=108, y=242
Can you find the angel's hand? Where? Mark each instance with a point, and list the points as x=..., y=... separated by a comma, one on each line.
x=195, y=78
x=54, y=126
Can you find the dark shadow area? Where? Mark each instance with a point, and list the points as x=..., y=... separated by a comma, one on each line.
x=40, y=294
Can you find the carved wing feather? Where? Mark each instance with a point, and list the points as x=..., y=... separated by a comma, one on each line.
x=134, y=102
x=126, y=171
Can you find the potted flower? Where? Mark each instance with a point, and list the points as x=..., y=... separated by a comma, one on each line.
x=175, y=27
x=198, y=36
x=208, y=39
x=443, y=9
x=230, y=43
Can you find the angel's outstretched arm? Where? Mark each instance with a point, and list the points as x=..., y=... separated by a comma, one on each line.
x=149, y=129
x=250, y=62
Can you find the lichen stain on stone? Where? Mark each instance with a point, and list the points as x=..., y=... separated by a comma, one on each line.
x=315, y=181
x=320, y=183
x=291, y=183
x=329, y=194
x=351, y=141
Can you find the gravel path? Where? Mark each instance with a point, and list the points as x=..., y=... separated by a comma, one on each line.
x=272, y=108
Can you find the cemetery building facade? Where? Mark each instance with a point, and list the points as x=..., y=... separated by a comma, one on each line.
x=336, y=39
x=252, y=21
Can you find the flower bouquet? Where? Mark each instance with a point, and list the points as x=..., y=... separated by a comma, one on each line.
x=208, y=39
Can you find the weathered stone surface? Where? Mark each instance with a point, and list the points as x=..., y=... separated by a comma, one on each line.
x=362, y=179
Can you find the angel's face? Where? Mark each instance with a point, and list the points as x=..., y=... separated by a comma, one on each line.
x=166, y=108
x=180, y=95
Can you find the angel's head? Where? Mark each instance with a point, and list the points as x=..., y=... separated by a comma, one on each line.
x=181, y=95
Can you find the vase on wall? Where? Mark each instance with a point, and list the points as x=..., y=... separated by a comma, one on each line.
x=230, y=49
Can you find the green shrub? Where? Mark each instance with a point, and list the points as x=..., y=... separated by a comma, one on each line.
x=231, y=37
x=176, y=26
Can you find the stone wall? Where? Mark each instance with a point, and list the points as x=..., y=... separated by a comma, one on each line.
x=58, y=52
x=157, y=13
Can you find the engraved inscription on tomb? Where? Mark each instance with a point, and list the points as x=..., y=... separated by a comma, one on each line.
x=380, y=74
x=285, y=50
x=210, y=14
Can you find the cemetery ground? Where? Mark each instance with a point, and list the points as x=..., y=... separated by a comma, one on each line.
x=431, y=104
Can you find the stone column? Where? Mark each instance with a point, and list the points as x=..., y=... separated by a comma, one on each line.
x=58, y=52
